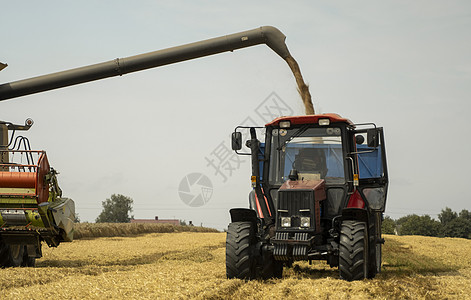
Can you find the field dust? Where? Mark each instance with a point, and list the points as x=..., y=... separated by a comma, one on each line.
x=192, y=265
x=303, y=88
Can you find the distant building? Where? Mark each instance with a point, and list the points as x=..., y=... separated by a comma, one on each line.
x=157, y=220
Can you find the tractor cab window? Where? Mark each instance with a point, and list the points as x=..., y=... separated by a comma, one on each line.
x=370, y=162
x=372, y=168
x=316, y=153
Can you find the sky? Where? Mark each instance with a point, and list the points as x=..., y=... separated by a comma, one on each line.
x=404, y=65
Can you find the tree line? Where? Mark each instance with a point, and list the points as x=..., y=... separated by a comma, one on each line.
x=449, y=224
x=118, y=209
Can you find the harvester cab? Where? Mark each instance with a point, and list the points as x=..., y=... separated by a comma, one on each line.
x=31, y=207
x=319, y=192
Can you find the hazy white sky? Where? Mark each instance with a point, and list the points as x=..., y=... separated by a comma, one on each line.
x=404, y=65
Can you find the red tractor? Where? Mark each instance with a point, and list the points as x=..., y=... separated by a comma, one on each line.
x=319, y=193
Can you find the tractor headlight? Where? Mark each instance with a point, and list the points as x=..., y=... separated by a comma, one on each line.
x=324, y=122
x=285, y=124
x=305, y=222
x=285, y=221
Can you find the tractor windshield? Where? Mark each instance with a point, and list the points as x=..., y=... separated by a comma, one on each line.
x=316, y=153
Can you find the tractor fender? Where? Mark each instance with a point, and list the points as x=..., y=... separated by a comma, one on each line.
x=355, y=214
x=243, y=215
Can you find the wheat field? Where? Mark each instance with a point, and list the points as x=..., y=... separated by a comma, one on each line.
x=192, y=265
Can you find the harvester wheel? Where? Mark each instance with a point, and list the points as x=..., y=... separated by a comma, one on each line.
x=353, y=252
x=31, y=262
x=11, y=255
x=4, y=255
x=27, y=260
x=16, y=255
x=240, y=261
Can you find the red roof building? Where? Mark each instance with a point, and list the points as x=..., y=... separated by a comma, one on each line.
x=157, y=220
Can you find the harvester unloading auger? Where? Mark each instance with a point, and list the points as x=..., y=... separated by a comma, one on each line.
x=31, y=207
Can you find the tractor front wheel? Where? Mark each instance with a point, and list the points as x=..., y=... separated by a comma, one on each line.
x=240, y=244
x=353, y=250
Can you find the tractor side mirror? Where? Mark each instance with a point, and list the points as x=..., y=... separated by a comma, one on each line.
x=372, y=136
x=236, y=141
x=359, y=139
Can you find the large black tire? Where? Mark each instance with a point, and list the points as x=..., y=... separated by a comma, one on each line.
x=11, y=255
x=353, y=251
x=375, y=260
x=4, y=255
x=240, y=261
x=375, y=246
x=16, y=255
x=375, y=255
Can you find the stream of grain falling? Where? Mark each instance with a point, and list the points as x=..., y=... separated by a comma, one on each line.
x=303, y=88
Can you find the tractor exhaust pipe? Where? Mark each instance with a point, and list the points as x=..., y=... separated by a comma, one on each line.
x=268, y=35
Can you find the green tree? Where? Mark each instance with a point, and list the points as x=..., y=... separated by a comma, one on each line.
x=388, y=226
x=459, y=227
x=419, y=225
x=455, y=225
x=465, y=214
x=447, y=215
x=116, y=210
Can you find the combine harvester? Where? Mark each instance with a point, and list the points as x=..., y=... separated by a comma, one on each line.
x=31, y=207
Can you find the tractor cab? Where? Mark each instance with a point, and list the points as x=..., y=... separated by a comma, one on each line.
x=312, y=176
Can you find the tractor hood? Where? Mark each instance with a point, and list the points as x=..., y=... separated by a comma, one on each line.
x=318, y=186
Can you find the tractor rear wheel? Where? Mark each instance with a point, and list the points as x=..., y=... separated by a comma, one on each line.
x=375, y=256
x=240, y=244
x=375, y=261
x=353, y=250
